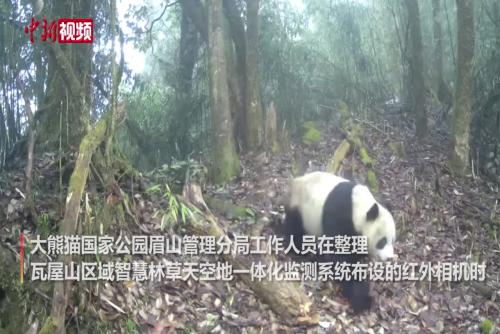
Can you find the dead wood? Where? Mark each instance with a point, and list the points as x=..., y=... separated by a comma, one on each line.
x=286, y=299
x=339, y=155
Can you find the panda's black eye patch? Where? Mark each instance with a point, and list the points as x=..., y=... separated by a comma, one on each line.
x=372, y=214
x=381, y=243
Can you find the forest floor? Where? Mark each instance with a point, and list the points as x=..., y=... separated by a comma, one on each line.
x=438, y=218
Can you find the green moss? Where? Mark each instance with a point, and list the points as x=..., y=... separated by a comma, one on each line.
x=398, y=149
x=372, y=181
x=365, y=157
x=355, y=134
x=48, y=326
x=311, y=134
x=486, y=326
x=310, y=125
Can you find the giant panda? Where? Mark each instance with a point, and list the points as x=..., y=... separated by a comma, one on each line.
x=320, y=203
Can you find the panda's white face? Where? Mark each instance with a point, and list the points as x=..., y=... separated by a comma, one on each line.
x=382, y=235
x=375, y=222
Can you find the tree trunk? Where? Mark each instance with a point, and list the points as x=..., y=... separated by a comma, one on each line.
x=237, y=82
x=441, y=89
x=4, y=141
x=11, y=124
x=253, y=105
x=31, y=146
x=234, y=83
x=417, y=69
x=463, y=93
x=496, y=17
x=271, y=133
x=71, y=107
x=226, y=161
x=188, y=51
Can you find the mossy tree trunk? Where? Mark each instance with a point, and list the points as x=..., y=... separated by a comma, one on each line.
x=226, y=161
x=253, y=105
x=463, y=93
x=417, y=69
x=68, y=117
x=79, y=92
x=70, y=221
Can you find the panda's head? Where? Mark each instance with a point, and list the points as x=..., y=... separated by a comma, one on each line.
x=375, y=222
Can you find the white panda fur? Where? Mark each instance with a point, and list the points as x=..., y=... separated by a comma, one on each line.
x=321, y=203
x=309, y=193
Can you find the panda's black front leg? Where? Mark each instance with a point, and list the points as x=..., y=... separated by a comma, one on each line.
x=293, y=229
x=358, y=295
x=356, y=292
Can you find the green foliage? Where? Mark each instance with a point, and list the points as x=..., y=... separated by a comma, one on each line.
x=45, y=226
x=148, y=107
x=211, y=320
x=310, y=125
x=311, y=134
x=365, y=157
x=486, y=326
x=286, y=65
x=397, y=148
x=131, y=327
x=11, y=307
x=188, y=330
x=371, y=179
x=176, y=208
x=48, y=326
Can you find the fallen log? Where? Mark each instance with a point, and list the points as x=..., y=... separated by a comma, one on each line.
x=353, y=141
x=286, y=299
x=338, y=156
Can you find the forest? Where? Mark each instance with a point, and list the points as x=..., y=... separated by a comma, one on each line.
x=159, y=159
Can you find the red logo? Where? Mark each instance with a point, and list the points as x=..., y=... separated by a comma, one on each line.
x=63, y=30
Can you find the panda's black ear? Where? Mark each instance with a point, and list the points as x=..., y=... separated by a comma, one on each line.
x=372, y=214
